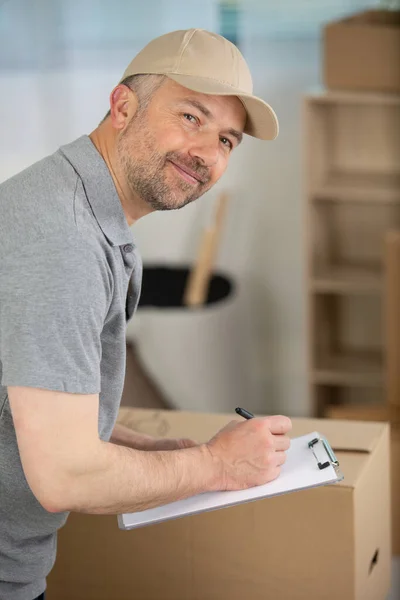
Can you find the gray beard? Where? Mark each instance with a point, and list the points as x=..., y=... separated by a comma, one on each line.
x=148, y=178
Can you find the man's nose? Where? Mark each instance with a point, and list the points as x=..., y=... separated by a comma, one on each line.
x=206, y=150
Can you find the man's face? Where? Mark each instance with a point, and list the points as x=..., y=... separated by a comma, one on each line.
x=179, y=146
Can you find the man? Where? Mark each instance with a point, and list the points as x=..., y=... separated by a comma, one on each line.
x=70, y=278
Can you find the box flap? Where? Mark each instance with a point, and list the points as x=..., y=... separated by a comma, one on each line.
x=352, y=441
x=342, y=435
x=378, y=17
x=368, y=18
x=174, y=423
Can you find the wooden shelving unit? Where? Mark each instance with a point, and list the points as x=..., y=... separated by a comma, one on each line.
x=352, y=166
x=356, y=370
x=346, y=279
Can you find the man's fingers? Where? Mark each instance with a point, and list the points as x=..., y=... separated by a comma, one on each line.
x=280, y=458
x=279, y=424
x=231, y=425
x=282, y=442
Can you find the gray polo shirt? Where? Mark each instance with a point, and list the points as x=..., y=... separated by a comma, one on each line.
x=70, y=278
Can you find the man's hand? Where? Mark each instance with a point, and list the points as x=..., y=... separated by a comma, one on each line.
x=123, y=436
x=250, y=453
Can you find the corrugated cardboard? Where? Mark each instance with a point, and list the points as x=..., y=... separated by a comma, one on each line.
x=362, y=52
x=380, y=413
x=328, y=543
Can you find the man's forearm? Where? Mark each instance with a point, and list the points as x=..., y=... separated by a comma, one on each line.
x=118, y=479
x=123, y=436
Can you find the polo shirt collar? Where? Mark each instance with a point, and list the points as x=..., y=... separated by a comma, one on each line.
x=100, y=189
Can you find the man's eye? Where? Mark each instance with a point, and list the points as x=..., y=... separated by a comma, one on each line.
x=190, y=117
x=226, y=142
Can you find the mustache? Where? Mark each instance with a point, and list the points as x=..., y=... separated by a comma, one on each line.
x=193, y=164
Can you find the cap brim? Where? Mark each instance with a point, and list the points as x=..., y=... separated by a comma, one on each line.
x=261, y=122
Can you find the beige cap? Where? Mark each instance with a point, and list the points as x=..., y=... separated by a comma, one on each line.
x=208, y=63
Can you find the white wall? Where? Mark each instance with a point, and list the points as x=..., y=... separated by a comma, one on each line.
x=263, y=237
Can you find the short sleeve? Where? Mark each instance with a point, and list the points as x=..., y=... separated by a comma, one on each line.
x=54, y=298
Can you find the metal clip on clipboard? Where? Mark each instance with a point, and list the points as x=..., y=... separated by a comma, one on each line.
x=332, y=458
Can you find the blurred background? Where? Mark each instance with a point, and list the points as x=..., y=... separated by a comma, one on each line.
x=296, y=250
x=269, y=340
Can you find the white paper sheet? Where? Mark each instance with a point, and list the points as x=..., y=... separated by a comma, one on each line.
x=300, y=471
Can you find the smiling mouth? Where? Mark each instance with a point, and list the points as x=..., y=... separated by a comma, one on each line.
x=188, y=176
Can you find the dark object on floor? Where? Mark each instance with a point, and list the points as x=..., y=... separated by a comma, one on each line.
x=165, y=287
x=139, y=389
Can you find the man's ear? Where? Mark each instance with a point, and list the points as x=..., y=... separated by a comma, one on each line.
x=123, y=106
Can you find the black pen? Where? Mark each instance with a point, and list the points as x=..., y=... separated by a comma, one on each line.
x=244, y=413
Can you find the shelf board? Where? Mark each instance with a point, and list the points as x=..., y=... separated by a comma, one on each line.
x=359, y=187
x=347, y=279
x=322, y=95
x=350, y=369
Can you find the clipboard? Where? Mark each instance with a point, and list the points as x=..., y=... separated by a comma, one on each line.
x=310, y=463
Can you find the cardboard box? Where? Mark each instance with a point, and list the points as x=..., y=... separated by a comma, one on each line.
x=362, y=52
x=328, y=543
x=380, y=413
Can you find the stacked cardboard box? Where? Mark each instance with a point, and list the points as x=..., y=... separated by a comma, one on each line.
x=328, y=543
x=361, y=52
x=380, y=413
